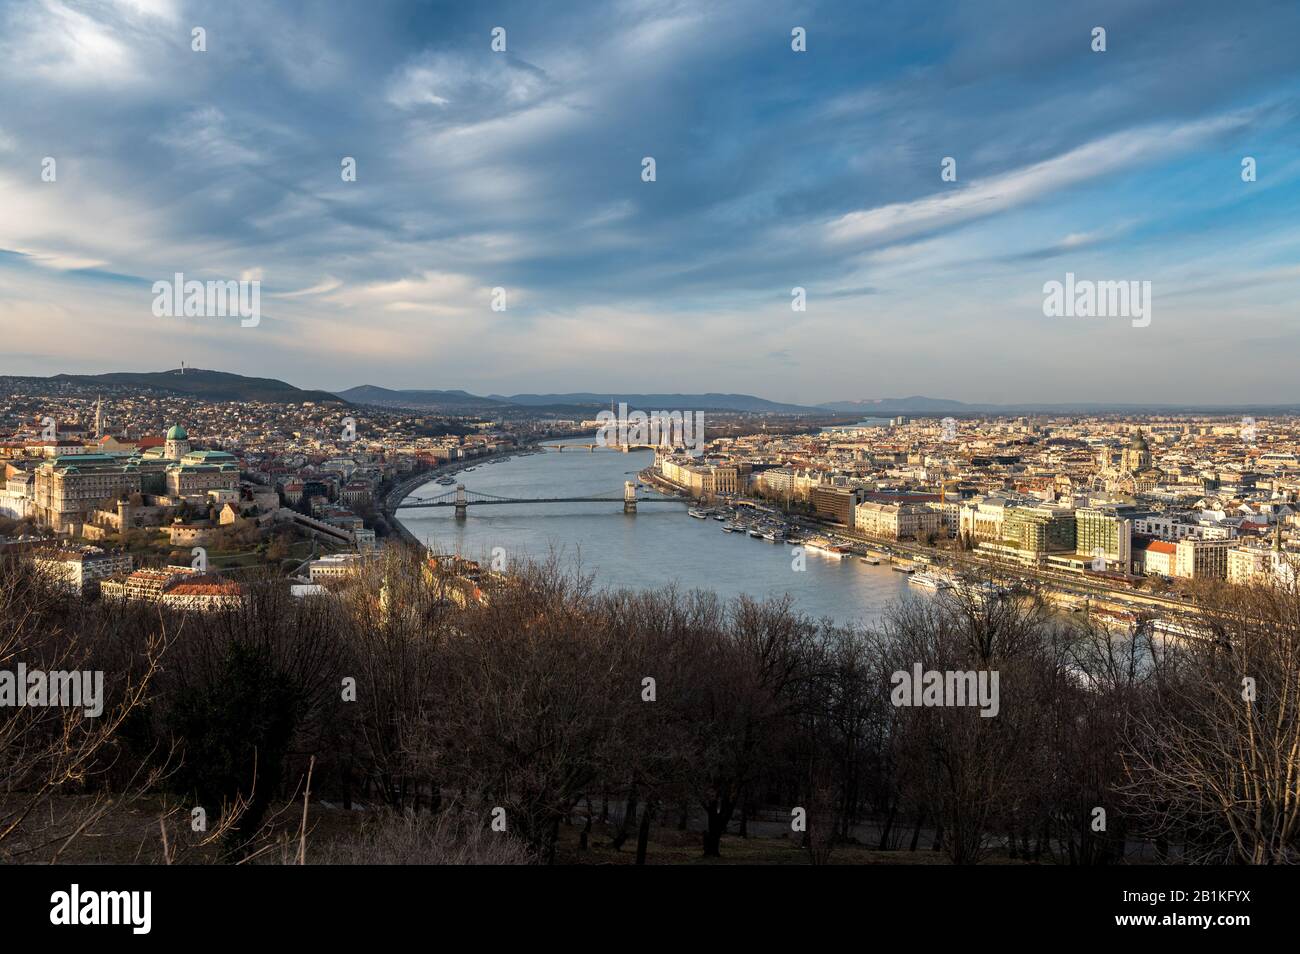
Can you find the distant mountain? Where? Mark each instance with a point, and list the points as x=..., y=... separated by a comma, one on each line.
x=884, y=407
x=661, y=402
x=439, y=400
x=205, y=386
x=887, y=407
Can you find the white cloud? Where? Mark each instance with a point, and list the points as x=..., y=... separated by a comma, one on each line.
x=901, y=220
x=329, y=284
x=57, y=44
x=206, y=137
x=59, y=260
x=490, y=83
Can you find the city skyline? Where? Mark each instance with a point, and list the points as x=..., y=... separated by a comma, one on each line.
x=775, y=169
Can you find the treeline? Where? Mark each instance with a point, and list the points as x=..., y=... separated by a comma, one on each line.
x=484, y=730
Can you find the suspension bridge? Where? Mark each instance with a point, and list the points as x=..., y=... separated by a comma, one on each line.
x=463, y=499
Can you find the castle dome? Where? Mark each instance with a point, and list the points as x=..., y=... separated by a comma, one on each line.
x=177, y=433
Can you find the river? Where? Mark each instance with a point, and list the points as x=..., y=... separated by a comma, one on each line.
x=657, y=546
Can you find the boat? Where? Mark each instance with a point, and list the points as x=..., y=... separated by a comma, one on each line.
x=825, y=549
x=698, y=514
x=874, y=561
x=721, y=516
x=774, y=536
x=756, y=533
x=929, y=581
x=902, y=568
x=730, y=528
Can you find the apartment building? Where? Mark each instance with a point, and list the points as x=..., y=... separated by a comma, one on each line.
x=1201, y=559
x=80, y=570
x=899, y=521
x=147, y=585
x=1154, y=557
x=835, y=502
x=1039, y=530
x=203, y=593
x=1105, y=532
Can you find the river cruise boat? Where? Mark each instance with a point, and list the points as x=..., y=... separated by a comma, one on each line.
x=929, y=581
x=826, y=549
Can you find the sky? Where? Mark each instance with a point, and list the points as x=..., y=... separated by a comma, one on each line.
x=774, y=169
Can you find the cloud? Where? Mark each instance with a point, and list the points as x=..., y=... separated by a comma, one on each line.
x=63, y=46
x=466, y=84
x=983, y=198
x=329, y=284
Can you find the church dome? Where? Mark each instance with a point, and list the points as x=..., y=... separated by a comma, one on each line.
x=1139, y=442
x=177, y=433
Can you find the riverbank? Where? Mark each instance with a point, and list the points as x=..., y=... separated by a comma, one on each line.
x=1068, y=591
x=451, y=468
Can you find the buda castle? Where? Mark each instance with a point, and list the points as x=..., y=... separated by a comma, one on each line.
x=107, y=488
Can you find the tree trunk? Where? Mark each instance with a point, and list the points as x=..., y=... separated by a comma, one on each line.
x=719, y=814
x=643, y=832
x=887, y=827
x=586, y=829
x=629, y=816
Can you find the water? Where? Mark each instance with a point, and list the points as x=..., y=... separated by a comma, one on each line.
x=865, y=422
x=659, y=545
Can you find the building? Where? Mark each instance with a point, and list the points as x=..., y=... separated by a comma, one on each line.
x=899, y=521
x=1180, y=526
x=80, y=569
x=203, y=592
x=1107, y=533
x=981, y=520
x=704, y=479
x=837, y=503
x=1253, y=565
x=69, y=489
x=1201, y=559
x=145, y=584
x=1154, y=557
x=1038, y=530
x=177, y=444
x=335, y=567
x=198, y=473
x=1136, y=457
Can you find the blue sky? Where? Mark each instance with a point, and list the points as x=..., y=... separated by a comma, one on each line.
x=775, y=169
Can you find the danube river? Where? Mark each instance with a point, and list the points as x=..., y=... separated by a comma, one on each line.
x=657, y=546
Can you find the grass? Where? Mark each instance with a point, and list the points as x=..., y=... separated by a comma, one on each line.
x=131, y=835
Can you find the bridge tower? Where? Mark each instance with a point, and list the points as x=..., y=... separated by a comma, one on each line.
x=629, y=497
x=461, y=508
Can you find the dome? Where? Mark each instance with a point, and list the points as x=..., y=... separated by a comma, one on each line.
x=1139, y=442
x=177, y=433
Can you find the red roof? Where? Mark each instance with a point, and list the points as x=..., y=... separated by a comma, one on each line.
x=1162, y=546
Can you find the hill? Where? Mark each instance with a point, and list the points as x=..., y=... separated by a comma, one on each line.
x=206, y=386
